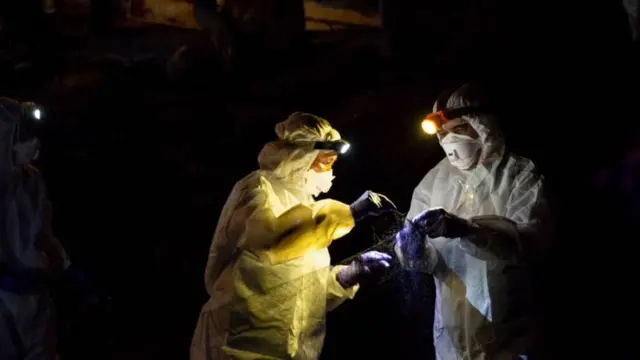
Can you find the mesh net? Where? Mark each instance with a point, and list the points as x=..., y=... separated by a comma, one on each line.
x=260, y=318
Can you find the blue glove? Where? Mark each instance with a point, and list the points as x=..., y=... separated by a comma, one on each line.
x=410, y=247
x=371, y=204
x=440, y=223
x=363, y=266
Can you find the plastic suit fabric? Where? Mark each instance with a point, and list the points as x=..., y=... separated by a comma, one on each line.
x=28, y=253
x=483, y=293
x=269, y=273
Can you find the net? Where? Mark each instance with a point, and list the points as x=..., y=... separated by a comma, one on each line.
x=260, y=316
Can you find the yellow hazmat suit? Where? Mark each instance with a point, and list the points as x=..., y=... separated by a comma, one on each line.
x=269, y=273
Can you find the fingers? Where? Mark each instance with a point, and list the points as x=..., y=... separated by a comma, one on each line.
x=375, y=199
x=375, y=255
x=420, y=216
x=429, y=217
x=376, y=259
x=378, y=198
x=375, y=265
x=387, y=200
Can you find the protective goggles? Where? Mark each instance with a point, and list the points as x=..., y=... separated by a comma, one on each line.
x=339, y=146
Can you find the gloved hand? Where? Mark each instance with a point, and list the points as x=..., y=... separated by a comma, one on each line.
x=371, y=204
x=410, y=246
x=364, y=265
x=438, y=222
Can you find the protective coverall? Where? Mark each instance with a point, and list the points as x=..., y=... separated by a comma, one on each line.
x=483, y=293
x=30, y=255
x=269, y=273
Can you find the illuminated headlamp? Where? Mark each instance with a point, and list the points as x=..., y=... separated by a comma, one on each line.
x=32, y=111
x=434, y=121
x=339, y=146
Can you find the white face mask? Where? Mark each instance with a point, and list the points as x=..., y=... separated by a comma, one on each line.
x=316, y=183
x=461, y=150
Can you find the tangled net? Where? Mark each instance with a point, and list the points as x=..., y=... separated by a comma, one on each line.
x=280, y=297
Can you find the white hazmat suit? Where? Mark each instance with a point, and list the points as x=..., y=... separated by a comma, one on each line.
x=269, y=273
x=29, y=254
x=483, y=291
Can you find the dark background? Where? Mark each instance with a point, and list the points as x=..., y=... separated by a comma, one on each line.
x=138, y=166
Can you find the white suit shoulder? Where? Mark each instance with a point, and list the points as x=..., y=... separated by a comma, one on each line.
x=440, y=171
x=524, y=173
x=525, y=168
x=421, y=198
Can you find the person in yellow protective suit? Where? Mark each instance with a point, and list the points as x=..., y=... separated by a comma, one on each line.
x=269, y=274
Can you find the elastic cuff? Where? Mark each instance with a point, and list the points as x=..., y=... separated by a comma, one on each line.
x=336, y=286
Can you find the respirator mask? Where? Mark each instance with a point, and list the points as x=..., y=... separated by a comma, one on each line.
x=316, y=183
x=319, y=178
x=461, y=150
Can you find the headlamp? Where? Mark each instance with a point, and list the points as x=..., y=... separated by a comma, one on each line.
x=32, y=111
x=30, y=124
x=339, y=146
x=433, y=122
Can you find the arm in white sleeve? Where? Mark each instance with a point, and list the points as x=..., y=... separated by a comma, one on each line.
x=525, y=231
x=431, y=259
x=49, y=245
x=53, y=251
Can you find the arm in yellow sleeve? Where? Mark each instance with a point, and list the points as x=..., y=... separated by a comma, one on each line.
x=293, y=233
x=261, y=228
x=331, y=221
x=336, y=294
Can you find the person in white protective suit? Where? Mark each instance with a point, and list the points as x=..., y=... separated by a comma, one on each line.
x=479, y=221
x=269, y=274
x=30, y=256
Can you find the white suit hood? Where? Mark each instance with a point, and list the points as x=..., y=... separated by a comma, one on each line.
x=485, y=125
x=281, y=162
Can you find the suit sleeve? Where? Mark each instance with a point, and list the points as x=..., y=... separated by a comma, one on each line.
x=55, y=254
x=430, y=262
x=525, y=231
x=295, y=232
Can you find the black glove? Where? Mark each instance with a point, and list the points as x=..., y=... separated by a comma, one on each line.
x=364, y=265
x=438, y=222
x=371, y=204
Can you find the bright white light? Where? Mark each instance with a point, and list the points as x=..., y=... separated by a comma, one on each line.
x=429, y=126
x=344, y=148
x=37, y=114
